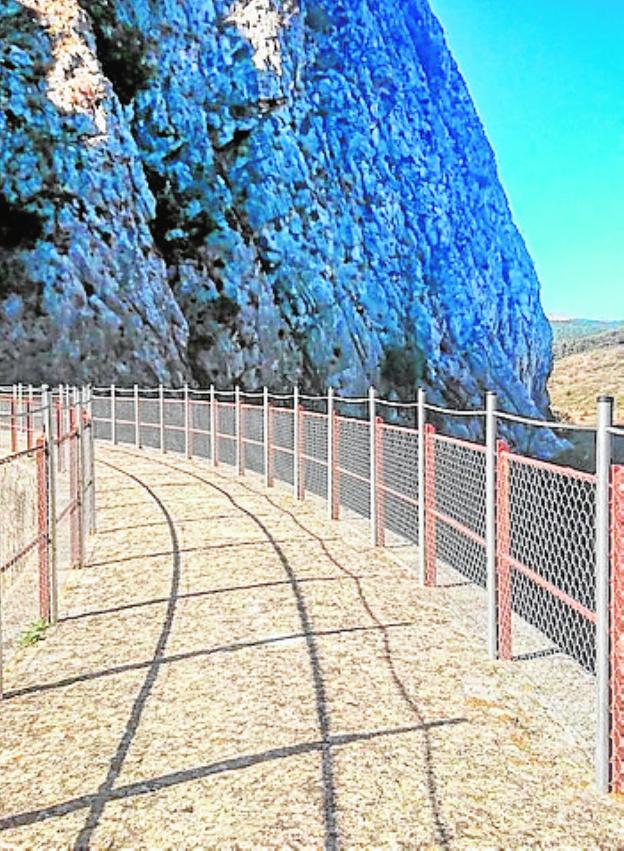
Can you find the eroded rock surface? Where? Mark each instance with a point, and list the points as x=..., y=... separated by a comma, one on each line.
x=261, y=192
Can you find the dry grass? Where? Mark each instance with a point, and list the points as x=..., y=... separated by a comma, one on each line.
x=578, y=379
x=234, y=671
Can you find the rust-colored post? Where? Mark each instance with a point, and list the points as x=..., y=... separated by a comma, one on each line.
x=13, y=424
x=74, y=489
x=58, y=434
x=503, y=549
x=43, y=531
x=616, y=709
x=335, y=464
x=430, y=505
x=379, y=484
x=29, y=424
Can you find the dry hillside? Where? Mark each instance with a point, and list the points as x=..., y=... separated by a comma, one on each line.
x=577, y=380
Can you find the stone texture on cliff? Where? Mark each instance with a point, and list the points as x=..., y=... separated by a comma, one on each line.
x=259, y=192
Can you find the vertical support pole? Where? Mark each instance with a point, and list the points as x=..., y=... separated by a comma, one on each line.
x=603, y=474
x=372, y=442
x=92, y=489
x=29, y=424
x=335, y=428
x=238, y=428
x=617, y=633
x=381, y=494
x=161, y=416
x=296, y=444
x=113, y=415
x=267, y=436
x=82, y=461
x=51, y=463
x=60, y=429
x=503, y=552
x=214, y=426
x=490, y=522
x=301, y=461
x=14, y=420
x=270, y=481
x=330, y=453
x=43, y=531
x=74, y=533
x=430, y=505
x=187, y=423
x=422, y=530
x=137, y=418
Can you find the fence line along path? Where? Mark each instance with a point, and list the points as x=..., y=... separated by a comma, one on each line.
x=230, y=667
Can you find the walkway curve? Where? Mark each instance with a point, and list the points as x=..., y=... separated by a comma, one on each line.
x=233, y=669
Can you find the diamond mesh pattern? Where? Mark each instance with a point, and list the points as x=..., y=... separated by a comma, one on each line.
x=353, y=464
x=226, y=432
x=282, y=444
x=617, y=633
x=252, y=419
x=314, y=452
x=397, y=450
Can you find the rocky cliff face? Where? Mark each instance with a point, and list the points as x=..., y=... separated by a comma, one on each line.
x=259, y=192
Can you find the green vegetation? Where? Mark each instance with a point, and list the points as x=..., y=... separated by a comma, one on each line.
x=35, y=633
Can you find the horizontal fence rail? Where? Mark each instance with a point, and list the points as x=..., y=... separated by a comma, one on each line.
x=439, y=488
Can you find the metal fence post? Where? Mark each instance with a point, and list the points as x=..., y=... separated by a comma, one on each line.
x=161, y=416
x=296, y=446
x=379, y=484
x=490, y=522
x=14, y=419
x=603, y=473
x=238, y=431
x=504, y=588
x=430, y=506
x=422, y=530
x=372, y=442
x=267, y=437
x=187, y=423
x=137, y=418
x=43, y=530
x=214, y=425
x=330, y=453
x=616, y=709
x=82, y=475
x=113, y=415
x=92, y=493
x=51, y=451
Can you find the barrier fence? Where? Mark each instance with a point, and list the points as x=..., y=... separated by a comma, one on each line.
x=47, y=498
x=545, y=542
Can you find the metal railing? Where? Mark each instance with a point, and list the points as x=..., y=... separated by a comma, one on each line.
x=47, y=497
x=442, y=490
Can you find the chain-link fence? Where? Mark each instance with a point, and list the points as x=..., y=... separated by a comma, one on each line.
x=47, y=490
x=539, y=543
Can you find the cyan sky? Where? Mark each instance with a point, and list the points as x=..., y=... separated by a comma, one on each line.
x=547, y=77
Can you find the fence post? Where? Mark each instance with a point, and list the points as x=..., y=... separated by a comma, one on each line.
x=379, y=484
x=214, y=425
x=29, y=423
x=161, y=416
x=335, y=428
x=137, y=419
x=43, y=530
x=14, y=420
x=372, y=442
x=187, y=423
x=81, y=477
x=430, y=506
x=490, y=521
x=238, y=431
x=617, y=633
x=58, y=419
x=300, y=449
x=296, y=446
x=603, y=473
x=92, y=494
x=330, y=453
x=268, y=439
x=113, y=415
x=422, y=529
x=503, y=552
x=51, y=451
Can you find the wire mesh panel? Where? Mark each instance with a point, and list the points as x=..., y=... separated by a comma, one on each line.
x=397, y=485
x=125, y=417
x=314, y=452
x=149, y=419
x=21, y=535
x=547, y=553
x=352, y=464
x=459, y=503
x=252, y=425
x=199, y=418
x=102, y=411
x=282, y=444
x=226, y=432
x=175, y=418
x=616, y=712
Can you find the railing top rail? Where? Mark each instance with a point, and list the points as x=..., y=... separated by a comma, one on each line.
x=556, y=469
x=393, y=404
x=617, y=431
x=551, y=424
x=7, y=459
x=451, y=412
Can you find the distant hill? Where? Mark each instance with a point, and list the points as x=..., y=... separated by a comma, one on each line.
x=579, y=378
x=574, y=336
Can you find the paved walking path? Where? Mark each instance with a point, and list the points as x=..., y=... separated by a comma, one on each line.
x=232, y=669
